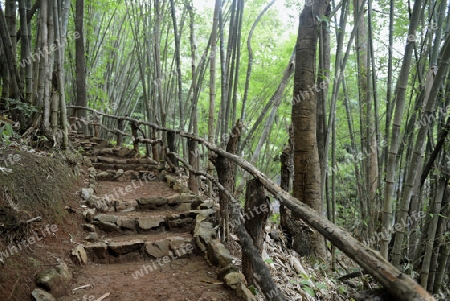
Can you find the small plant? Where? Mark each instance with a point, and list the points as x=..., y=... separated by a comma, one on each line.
x=6, y=133
x=24, y=108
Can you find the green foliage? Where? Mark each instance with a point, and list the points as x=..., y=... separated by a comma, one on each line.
x=6, y=133
x=275, y=218
x=24, y=108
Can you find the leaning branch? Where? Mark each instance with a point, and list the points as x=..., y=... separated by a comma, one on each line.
x=397, y=283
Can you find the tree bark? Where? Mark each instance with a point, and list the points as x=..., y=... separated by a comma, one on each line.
x=255, y=215
x=80, y=60
x=393, y=147
x=226, y=172
x=306, y=157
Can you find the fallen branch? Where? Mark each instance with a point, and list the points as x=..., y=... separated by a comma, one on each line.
x=82, y=287
x=34, y=219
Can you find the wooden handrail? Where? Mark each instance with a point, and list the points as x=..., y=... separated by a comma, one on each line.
x=400, y=285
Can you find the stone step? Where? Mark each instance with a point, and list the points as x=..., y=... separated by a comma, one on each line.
x=120, y=160
x=121, y=201
x=131, y=248
x=177, y=201
x=122, y=152
x=145, y=222
x=150, y=167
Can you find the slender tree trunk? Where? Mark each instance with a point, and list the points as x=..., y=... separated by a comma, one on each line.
x=25, y=51
x=276, y=99
x=177, y=59
x=250, y=58
x=392, y=149
x=417, y=157
x=212, y=85
x=80, y=60
x=431, y=235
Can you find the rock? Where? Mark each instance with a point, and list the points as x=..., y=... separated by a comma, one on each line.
x=201, y=215
x=208, y=204
x=56, y=280
x=180, y=222
x=120, y=206
x=107, y=226
x=184, y=207
x=234, y=279
x=86, y=193
x=41, y=295
x=125, y=247
x=104, y=176
x=127, y=223
x=63, y=270
x=203, y=234
x=159, y=248
x=131, y=175
x=88, y=214
x=97, y=250
x=152, y=202
x=218, y=255
x=147, y=223
x=101, y=204
x=91, y=237
x=79, y=255
x=182, y=198
x=106, y=218
x=124, y=152
x=89, y=227
x=243, y=292
x=180, y=244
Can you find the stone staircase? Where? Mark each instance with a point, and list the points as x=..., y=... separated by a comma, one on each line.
x=140, y=219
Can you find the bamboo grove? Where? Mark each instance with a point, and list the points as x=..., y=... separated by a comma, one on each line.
x=349, y=97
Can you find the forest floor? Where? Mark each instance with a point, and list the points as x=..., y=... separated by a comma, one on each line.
x=47, y=185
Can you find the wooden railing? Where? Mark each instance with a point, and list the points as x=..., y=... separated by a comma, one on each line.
x=399, y=285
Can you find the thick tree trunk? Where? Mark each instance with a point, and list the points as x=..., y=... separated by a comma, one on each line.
x=306, y=157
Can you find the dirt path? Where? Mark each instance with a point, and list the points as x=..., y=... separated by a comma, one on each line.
x=186, y=279
x=142, y=263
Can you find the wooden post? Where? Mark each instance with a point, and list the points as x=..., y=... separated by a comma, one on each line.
x=120, y=127
x=286, y=174
x=171, y=144
x=193, y=161
x=255, y=215
x=155, y=151
x=226, y=173
x=134, y=133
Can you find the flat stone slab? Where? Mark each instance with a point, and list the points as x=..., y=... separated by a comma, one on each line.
x=179, y=201
x=122, y=248
x=148, y=223
x=159, y=248
x=131, y=248
x=106, y=218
